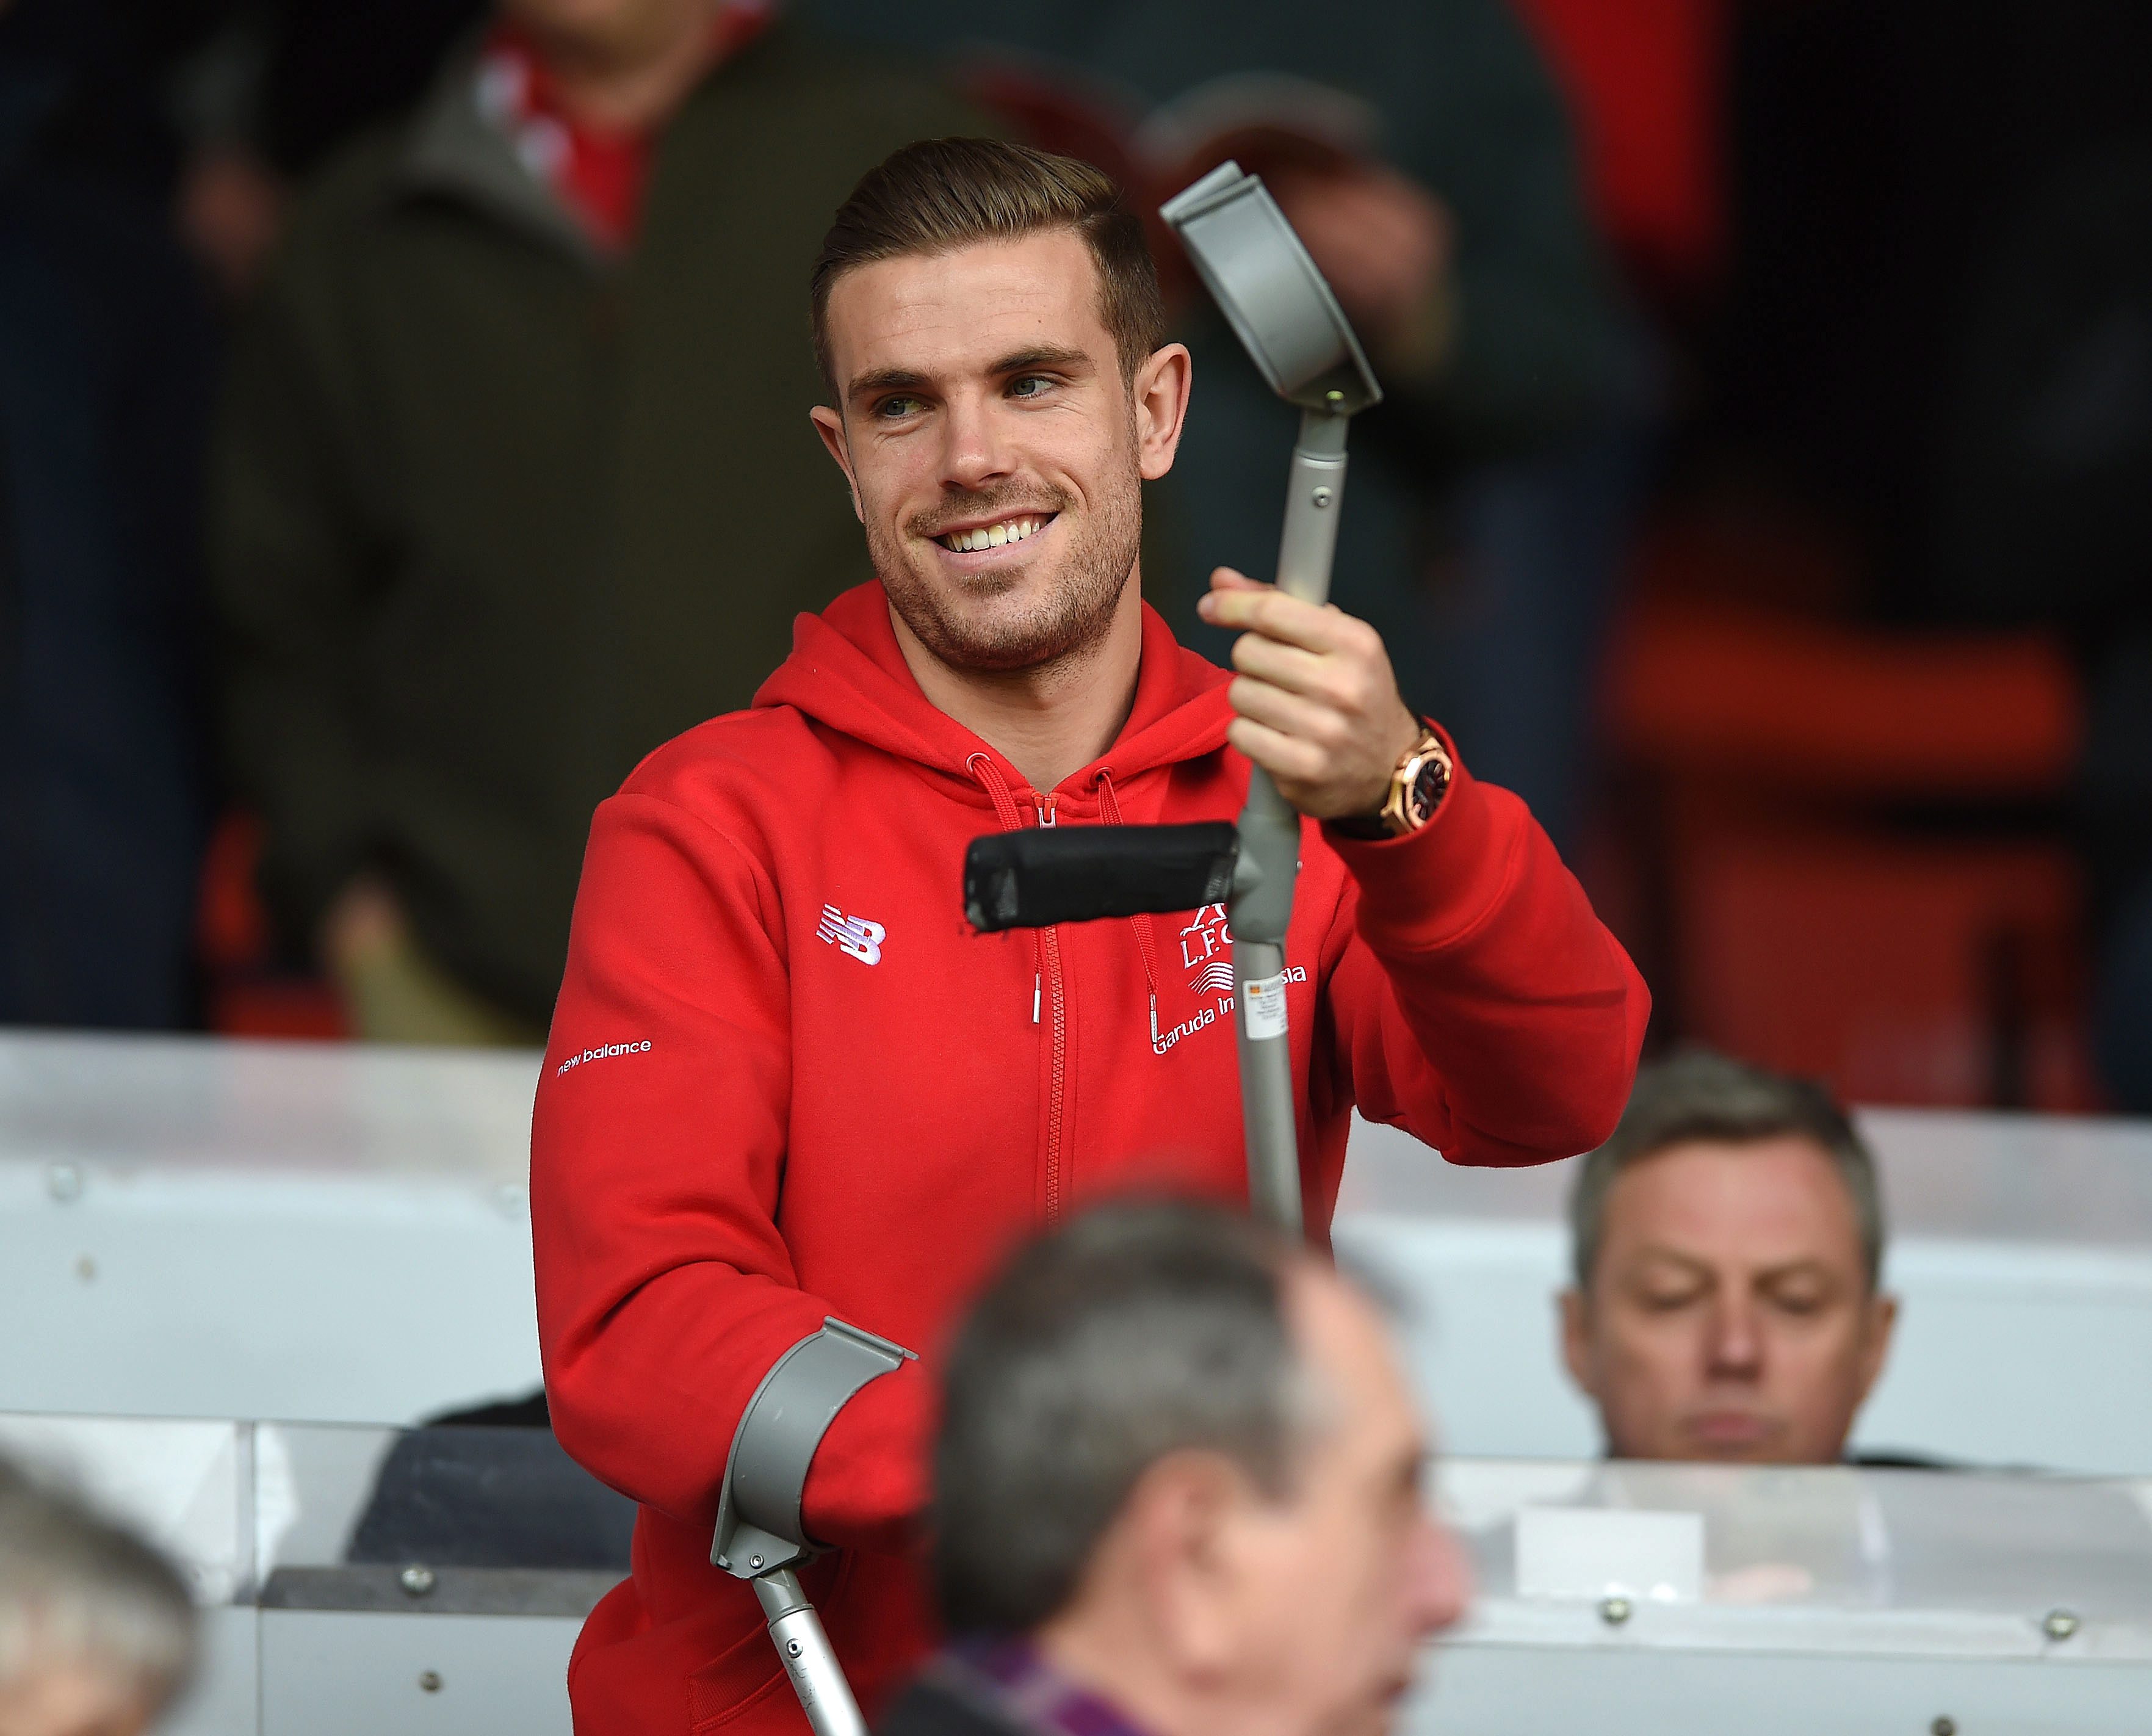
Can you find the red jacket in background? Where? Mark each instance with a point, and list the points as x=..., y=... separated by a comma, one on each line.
x=787, y=1080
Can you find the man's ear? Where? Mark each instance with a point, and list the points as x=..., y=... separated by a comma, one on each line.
x=1178, y=1520
x=831, y=426
x=1159, y=394
x=1882, y=1322
x=1576, y=1337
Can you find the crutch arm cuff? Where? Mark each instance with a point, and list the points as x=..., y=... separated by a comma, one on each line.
x=760, y=1528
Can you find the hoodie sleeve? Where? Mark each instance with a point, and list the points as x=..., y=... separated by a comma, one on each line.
x=665, y=1289
x=1479, y=1004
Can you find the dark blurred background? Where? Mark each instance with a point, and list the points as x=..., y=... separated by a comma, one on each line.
x=1764, y=490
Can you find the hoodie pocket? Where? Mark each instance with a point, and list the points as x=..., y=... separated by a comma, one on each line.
x=737, y=1680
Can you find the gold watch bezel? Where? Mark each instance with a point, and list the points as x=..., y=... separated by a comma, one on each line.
x=1397, y=815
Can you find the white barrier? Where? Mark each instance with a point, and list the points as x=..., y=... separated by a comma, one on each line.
x=1703, y=1598
x=331, y=1234
x=321, y=1232
x=338, y=1234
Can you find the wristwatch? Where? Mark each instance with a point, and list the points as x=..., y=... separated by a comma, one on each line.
x=1417, y=787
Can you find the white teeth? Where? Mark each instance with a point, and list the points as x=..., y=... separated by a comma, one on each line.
x=993, y=536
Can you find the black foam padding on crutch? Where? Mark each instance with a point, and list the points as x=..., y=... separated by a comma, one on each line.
x=1045, y=875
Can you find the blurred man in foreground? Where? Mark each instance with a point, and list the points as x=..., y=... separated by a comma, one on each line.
x=511, y=485
x=97, y=1633
x=1729, y=1253
x=1177, y=1492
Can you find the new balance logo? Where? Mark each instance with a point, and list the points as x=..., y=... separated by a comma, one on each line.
x=855, y=935
x=603, y=1052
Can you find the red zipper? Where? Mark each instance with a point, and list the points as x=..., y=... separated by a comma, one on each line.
x=1050, y=953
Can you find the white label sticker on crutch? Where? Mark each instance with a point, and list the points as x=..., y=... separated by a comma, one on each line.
x=1264, y=1000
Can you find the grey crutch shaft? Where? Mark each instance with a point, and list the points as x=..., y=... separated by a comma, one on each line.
x=1261, y=907
x=1314, y=492
x=817, y=1678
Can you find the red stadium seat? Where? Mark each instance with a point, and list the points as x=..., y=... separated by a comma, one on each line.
x=1902, y=972
x=1782, y=903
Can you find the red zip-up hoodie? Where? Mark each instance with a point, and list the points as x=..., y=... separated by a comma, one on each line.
x=786, y=1080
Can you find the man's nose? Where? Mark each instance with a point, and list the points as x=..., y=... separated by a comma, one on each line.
x=975, y=451
x=1736, y=1347
x=1441, y=1589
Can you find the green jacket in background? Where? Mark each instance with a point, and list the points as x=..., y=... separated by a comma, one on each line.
x=494, y=516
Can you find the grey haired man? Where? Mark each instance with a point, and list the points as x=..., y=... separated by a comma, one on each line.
x=1178, y=1491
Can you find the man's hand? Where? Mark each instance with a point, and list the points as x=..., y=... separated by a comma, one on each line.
x=366, y=921
x=1318, y=704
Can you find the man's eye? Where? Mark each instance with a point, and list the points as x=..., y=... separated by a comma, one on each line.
x=895, y=410
x=1665, y=1301
x=1029, y=385
x=1798, y=1303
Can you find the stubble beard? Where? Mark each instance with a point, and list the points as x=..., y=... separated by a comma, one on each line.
x=1073, y=616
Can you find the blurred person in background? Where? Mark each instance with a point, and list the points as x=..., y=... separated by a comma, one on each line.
x=2043, y=508
x=96, y=1632
x=510, y=488
x=1423, y=154
x=1177, y=1491
x=265, y=91
x=1728, y=1245
x=104, y=386
x=1936, y=345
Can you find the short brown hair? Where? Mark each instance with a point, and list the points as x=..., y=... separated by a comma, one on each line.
x=942, y=194
x=1700, y=1095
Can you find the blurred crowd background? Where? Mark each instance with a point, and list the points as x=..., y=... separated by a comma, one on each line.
x=402, y=429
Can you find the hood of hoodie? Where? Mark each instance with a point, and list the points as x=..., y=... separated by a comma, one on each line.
x=847, y=672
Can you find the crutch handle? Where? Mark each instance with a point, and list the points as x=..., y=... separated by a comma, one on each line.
x=760, y=1536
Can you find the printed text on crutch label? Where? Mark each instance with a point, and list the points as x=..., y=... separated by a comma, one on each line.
x=1264, y=1000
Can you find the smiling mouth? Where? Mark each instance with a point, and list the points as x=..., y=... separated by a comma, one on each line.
x=998, y=535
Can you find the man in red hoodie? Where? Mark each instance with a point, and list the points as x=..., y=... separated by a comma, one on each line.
x=785, y=1081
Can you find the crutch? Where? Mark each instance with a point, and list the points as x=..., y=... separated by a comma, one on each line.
x=1286, y=318
x=760, y=1537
